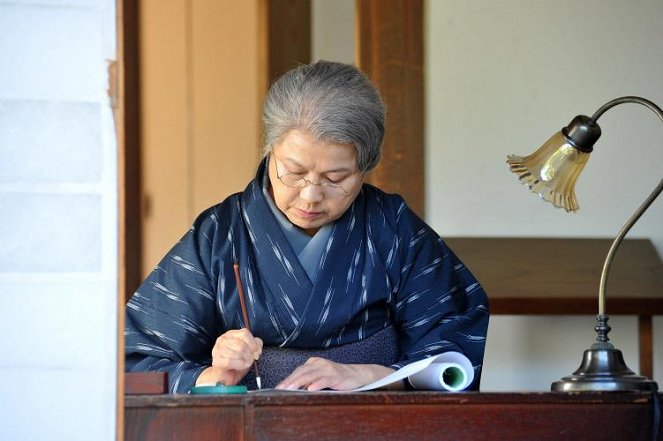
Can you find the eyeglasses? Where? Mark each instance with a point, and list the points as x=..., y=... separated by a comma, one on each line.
x=291, y=180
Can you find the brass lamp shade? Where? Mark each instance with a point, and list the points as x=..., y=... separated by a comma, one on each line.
x=552, y=171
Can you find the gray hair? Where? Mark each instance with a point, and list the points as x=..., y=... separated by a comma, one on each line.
x=331, y=102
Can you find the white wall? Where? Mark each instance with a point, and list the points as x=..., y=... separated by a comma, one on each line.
x=332, y=30
x=501, y=77
x=58, y=197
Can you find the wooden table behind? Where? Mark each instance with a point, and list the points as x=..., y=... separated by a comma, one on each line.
x=561, y=276
x=388, y=416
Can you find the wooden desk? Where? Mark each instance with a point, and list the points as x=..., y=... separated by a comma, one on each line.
x=561, y=276
x=388, y=416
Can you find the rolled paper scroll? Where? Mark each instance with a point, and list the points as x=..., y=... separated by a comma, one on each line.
x=450, y=371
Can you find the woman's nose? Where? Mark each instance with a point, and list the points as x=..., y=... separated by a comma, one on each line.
x=312, y=193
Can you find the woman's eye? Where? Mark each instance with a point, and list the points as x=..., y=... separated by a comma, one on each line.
x=334, y=179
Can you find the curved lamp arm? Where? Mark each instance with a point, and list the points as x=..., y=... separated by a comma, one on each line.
x=645, y=205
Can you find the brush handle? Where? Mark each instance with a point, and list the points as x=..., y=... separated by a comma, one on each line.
x=245, y=314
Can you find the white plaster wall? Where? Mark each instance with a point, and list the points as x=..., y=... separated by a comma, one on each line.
x=332, y=30
x=58, y=234
x=501, y=77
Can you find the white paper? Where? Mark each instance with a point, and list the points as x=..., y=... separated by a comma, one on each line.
x=426, y=374
x=450, y=371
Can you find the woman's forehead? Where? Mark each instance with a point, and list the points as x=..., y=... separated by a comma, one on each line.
x=300, y=148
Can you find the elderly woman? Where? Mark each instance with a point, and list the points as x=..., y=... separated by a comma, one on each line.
x=343, y=282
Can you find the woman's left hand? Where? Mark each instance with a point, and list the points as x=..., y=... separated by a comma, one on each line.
x=319, y=373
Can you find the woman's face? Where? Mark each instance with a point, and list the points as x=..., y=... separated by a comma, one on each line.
x=300, y=155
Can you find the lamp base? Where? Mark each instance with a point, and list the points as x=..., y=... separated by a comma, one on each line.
x=602, y=369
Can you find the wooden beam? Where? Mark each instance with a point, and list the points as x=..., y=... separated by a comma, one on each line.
x=390, y=51
x=125, y=100
x=289, y=35
x=128, y=124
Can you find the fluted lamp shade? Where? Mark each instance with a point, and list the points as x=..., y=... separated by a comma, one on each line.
x=552, y=172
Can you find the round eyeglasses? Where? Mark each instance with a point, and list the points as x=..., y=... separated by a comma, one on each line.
x=329, y=189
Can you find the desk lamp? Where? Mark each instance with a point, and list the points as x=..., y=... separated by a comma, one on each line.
x=551, y=172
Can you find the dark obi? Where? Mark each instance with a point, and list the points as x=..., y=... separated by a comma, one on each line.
x=275, y=363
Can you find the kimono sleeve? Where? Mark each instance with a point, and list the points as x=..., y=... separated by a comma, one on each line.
x=440, y=306
x=171, y=320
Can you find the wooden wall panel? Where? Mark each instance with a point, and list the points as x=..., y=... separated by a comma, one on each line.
x=202, y=81
x=226, y=91
x=165, y=135
x=390, y=51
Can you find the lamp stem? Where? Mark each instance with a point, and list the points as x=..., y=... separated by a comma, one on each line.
x=618, y=240
x=634, y=218
x=627, y=99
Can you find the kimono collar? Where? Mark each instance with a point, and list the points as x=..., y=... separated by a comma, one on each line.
x=307, y=248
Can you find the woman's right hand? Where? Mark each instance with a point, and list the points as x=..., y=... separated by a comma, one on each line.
x=233, y=355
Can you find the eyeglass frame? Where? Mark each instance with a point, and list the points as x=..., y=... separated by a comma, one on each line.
x=308, y=182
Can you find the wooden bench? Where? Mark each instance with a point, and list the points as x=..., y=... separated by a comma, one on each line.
x=561, y=277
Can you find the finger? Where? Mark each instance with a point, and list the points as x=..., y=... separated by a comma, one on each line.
x=330, y=375
x=322, y=383
x=260, y=344
x=257, y=348
x=244, y=335
x=318, y=374
x=292, y=381
x=231, y=364
x=313, y=370
x=240, y=340
x=231, y=353
x=231, y=348
x=225, y=354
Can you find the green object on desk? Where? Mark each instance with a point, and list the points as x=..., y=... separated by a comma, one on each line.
x=218, y=389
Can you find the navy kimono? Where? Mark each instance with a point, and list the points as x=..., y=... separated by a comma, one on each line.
x=381, y=267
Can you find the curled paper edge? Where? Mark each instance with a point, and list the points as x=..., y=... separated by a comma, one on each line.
x=426, y=374
x=432, y=377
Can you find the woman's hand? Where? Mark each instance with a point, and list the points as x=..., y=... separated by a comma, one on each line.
x=319, y=373
x=233, y=355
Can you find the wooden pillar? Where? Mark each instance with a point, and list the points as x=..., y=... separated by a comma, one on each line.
x=645, y=344
x=289, y=35
x=127, y=120
x=390, y=51
x=124, y=92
